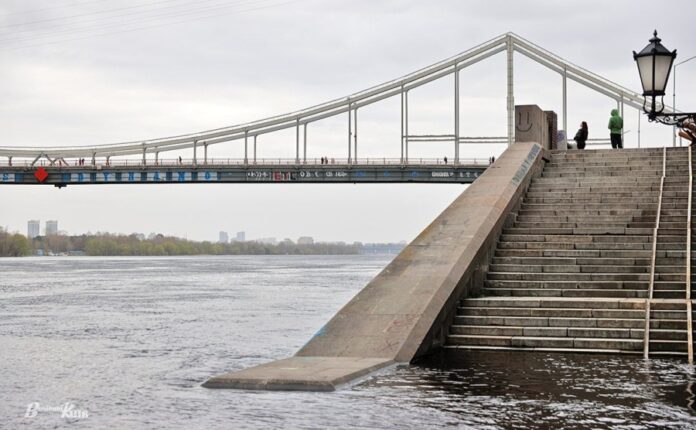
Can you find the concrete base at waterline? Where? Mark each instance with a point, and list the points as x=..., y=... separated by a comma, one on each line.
x=300, y=374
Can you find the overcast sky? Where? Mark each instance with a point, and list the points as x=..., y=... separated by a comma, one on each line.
x=99, y=71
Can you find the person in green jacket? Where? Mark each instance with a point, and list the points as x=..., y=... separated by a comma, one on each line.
x=615, y=128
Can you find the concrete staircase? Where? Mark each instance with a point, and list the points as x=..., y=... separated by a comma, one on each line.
x=574, y=271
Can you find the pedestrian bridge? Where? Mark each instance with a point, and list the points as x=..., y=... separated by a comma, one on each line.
x=145, y=161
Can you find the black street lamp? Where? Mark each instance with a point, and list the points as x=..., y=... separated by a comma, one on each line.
x=654, y=64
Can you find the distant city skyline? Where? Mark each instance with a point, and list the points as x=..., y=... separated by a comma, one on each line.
x=51, y=228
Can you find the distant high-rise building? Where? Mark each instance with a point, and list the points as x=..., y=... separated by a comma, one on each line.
x=305, y=240
x=240, y=236
x=33, y=228
x=51, y=228
x=223, y=237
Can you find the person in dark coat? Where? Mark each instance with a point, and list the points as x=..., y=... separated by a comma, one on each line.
x=581, y=136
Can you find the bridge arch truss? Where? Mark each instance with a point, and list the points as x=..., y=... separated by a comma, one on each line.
x=248, y=133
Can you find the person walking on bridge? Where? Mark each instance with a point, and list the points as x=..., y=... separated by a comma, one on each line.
x=615, y=129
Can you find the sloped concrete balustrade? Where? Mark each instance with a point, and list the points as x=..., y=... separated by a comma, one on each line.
x=405, y=312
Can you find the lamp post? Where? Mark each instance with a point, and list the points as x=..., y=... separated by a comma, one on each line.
x=654, y=65
x=674, y=96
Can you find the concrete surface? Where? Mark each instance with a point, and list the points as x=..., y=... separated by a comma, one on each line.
x=405, y=311
x=300, y=374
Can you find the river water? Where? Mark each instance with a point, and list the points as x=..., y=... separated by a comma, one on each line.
x=127, y=342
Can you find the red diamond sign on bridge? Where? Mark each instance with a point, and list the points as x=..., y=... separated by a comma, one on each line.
x=40, y=174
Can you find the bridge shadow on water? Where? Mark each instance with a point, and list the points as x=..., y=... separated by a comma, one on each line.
x=513, y=389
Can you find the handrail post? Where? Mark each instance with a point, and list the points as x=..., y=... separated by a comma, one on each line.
x=304, y=137
x=565, y=103
x=246, y=147
x=510, y=92
x=456, y=114
x=350, y=131
x=406, y=127
x=402, y=123
x=355, y=135
x=297, y=140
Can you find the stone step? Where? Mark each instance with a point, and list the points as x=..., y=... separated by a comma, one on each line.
x=547, y=342
x=594, y=218
x=621, y=165
x=661, y=305
x=600, y=184
x=646, y=261
x=553, y=164
x=585, y=285
x=596, y=199
x=560, y=276
x=595, y=246
x=609, y=194
x=583, y=253
x=593, y=332
x=522, y=223
x=585, y=238
x=666, y=314
x=596, y=303
x=550, y=212
x=660, y=345
x=605, y=174
x=569, y=293
x=587, y=208
x=617, y=231
x=650, y=189
x=588, y=312
x=578, y=268
x=581, y=293
x=667, y=334
x=617, y=181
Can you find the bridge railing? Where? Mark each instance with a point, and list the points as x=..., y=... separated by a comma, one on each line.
x=240, y=162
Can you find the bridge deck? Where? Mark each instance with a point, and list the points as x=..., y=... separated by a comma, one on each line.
x=249, y=173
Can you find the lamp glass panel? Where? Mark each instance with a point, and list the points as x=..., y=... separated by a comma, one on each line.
x=645, y=70
x=662, y=66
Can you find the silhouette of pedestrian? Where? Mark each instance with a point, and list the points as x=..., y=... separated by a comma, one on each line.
x=581, y=136
x=445, y=159
x=615, y=129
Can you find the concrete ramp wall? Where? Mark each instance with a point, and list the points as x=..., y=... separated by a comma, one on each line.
x=404, y=311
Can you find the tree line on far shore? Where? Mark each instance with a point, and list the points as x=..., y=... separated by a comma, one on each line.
x=105, y=244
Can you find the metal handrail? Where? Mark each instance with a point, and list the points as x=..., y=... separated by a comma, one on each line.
x=259, y=162
x=646, y=335
x=689, y=322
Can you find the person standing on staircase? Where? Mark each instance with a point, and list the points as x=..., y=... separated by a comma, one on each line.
x=581, y=136
x=615, y=129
